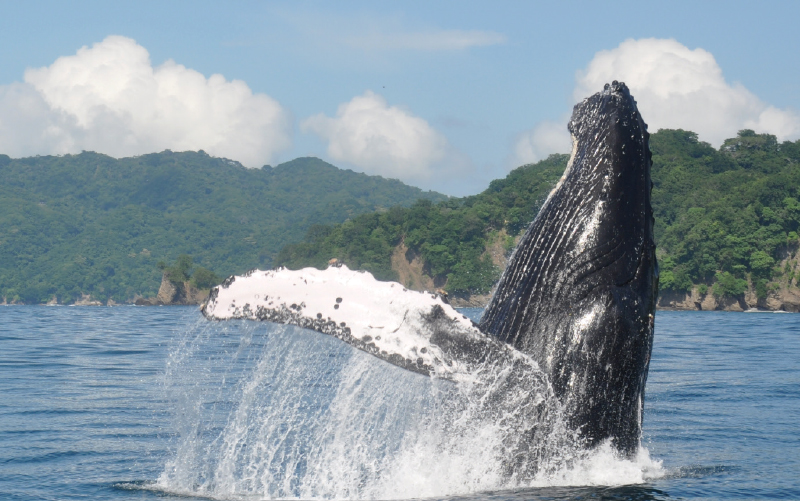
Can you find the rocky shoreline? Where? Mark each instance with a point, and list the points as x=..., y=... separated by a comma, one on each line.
x=170, y=293
x=777, y=300
x=668, y=301
x=786, y=298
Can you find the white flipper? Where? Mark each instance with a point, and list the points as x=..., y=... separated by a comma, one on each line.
x=414, y=330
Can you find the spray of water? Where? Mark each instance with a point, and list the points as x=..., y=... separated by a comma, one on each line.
x=275, y=412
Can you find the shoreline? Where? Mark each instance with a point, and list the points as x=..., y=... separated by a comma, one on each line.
x=459, y=304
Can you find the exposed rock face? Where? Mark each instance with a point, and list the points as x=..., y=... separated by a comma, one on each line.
x=787, y=298
x=669, y=300
x=170, y=293
x=410, y=269
x=411, y=272
x=783, y=293
x=167, y=293
x=784, y=299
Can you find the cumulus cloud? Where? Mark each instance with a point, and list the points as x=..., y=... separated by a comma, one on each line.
x=380, y=139
x=109, y=98
x=677, y=87
x=538, y=143
x=28, y=126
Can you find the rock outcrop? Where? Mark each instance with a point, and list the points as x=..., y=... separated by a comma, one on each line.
x=781, y=296
x=170, y=293
x=410, y=269
x=695, y=301
x=785, y=298
x=413, y=274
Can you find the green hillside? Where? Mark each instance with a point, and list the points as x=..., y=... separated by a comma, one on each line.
x=451, y=236
x=725, y=216
x=722, y=217
x=91, y=224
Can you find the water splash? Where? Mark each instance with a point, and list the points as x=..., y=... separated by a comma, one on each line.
x=277, y=412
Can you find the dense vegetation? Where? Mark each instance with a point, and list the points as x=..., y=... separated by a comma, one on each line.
x=95, y=225
x=90, y=224
x=451, y=236
x=184, y=270
x=722, y=217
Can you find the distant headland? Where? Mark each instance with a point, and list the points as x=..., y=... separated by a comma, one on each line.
x=89, y=229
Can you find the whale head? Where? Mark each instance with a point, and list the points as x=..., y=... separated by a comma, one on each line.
x=579, y=291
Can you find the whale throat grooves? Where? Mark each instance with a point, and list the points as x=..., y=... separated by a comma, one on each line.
x=579, y=291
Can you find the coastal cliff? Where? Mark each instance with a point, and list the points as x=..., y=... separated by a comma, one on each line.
x=171, y=293
x=782, y=294
x=776, y=300
x=782, y=299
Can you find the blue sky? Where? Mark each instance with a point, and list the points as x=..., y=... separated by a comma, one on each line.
x=443, y=95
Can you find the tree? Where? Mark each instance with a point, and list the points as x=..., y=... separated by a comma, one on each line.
x=179, y=272
x=203, y=278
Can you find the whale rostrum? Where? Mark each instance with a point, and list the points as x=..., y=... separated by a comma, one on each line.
x=575, y=304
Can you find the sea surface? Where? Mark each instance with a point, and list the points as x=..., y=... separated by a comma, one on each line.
x=132, y=403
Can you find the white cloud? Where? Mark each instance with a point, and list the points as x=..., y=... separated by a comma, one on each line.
x=434, y=40
x=536, y=144
x=109, y=98
x=676, y=87
x=380, y=139
x=28, y=126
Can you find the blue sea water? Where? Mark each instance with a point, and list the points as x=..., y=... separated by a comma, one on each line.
x=156, y=403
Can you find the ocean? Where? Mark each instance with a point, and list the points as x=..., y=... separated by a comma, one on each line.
x=132, y=403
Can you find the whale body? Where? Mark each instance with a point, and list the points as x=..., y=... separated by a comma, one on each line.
x=580, y=290
x=574, y=307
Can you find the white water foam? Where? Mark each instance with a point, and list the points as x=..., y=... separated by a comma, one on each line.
x=276, y=412
x=603, y=467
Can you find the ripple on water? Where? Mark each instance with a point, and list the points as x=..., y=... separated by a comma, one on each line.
x=90, y=409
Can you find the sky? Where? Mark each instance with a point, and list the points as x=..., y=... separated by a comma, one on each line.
x=441, y=95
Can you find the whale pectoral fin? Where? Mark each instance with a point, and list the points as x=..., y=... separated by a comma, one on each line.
x=414, y=330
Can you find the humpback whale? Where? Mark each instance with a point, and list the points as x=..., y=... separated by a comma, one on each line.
x=580, y=290
x=576, y=301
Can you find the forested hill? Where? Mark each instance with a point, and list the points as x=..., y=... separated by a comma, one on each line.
x=726, y=221
x=726, y=218
x=92, y=224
